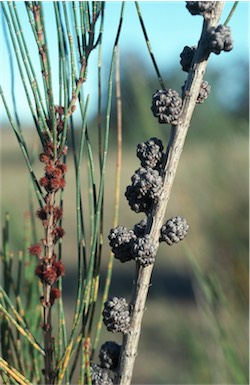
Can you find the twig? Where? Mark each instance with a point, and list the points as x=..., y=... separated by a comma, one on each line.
x=13, y=373
x=231, y=13
x=63, y=361
x=149, y=46
x=155, y=221
x=116, y=197
x=25, y=333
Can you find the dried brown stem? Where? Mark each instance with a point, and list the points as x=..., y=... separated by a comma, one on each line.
x=48, y=359
x=49, y=249
x=155, y=221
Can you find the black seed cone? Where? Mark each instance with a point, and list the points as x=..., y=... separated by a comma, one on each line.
x=204, y=92
x=187, y=57
x=199, y=7
x=146, y=189
x=174, y=230
x=121, y=241
x=166, y=106
x=144, y=251
x=116, y=315
x=150, y=153
x=109, y=355
x=100, y=376
x=219, y=39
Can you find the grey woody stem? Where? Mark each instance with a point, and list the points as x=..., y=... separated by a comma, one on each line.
x=155, y=221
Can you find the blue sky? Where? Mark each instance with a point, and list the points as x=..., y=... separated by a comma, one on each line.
x=169, y=25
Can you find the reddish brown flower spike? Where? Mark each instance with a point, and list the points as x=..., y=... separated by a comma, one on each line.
x=59, y=126
x=49, y=276
x=62, y=183
x=55, y=183
x=57, y=172
x=49, y=149
x=59, y=268
x=39, y=270
x=58, y=233
x=44, y=158
x=49, y=169
x=41, y=214
x=44, y=181
x=54, y=294
x=58, y=212
x=35, y=249
x=59, y=110
x=62, y=167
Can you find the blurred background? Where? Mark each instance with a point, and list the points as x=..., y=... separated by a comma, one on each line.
x=195, y=329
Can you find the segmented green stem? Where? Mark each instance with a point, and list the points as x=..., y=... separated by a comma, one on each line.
x=64, y=360
x=62, y=364
x=25, y=333
x=76, y=30
x=116, y=201
x=13, y=373
x=19, y=63
x=71, y=47
x=149, y=46
x=231, y=13
x=35, y=83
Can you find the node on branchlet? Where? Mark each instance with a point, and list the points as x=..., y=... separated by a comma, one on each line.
x=205, y=90
x=174, y=230
x=121, y=241
x=140, y=228
x=150, y=153
x=116, y=315
x=200, y=7
x=166, y=106
x=145, y=190
x=99, y=375
x=144, y=251
x=219, y=39
x=187, y=56
x=109, y=355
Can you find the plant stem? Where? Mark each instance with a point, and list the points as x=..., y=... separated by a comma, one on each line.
x=231, y=13
x=116, y=197
x=149, y=46
x=13, y=373
x=47, y=290
x=23, y=332
x=62, y=364
x=156, y=218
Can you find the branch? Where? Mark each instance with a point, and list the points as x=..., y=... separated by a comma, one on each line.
x=155, y=221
